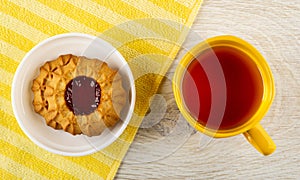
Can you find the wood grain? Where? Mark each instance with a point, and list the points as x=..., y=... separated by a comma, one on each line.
x=271, y=26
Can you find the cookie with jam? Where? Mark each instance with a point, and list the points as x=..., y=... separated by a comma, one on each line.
x=78, y=95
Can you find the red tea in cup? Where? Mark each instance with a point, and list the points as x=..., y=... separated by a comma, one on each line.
x=235, y=85
x=224, y=87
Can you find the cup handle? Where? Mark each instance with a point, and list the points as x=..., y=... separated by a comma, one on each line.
x=260, y=139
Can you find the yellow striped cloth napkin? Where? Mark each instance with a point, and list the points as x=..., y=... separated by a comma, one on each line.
x=24, y=23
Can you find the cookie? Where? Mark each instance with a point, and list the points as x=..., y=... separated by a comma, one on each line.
x=78, y=95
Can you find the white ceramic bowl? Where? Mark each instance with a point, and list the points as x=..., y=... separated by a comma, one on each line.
x=34, y=126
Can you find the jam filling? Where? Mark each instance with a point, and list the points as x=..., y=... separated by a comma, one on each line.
x=82, y=95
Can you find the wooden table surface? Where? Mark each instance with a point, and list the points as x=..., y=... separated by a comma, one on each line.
x=167, y=148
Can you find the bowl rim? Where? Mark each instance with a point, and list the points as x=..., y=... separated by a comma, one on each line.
x=50, y=149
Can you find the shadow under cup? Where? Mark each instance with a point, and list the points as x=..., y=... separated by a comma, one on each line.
x=224, y=87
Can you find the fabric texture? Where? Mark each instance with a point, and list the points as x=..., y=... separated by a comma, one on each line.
x=148, y=33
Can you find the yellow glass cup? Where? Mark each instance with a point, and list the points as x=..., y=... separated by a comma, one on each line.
x=251, y=129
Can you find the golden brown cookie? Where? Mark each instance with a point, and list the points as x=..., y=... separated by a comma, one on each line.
x=78, y=95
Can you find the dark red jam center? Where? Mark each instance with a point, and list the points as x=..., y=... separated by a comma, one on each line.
x=82, y=95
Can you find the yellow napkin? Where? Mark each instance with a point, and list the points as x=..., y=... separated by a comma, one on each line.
x=147, y=32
